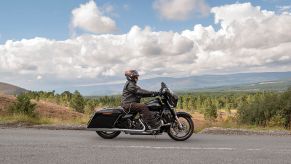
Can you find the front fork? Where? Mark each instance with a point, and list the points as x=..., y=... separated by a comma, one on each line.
x=179, y=123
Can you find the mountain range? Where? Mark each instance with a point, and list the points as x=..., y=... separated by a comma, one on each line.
x=194, y=83
x=272, y=81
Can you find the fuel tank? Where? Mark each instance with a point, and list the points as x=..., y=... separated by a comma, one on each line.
x=154, y=105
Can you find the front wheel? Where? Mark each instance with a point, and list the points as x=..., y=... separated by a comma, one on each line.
x=181, y=134
x=108, y=135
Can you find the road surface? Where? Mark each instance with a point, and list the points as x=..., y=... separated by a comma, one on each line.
x=39, y=146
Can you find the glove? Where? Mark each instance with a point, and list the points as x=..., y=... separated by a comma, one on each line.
x=154, y=94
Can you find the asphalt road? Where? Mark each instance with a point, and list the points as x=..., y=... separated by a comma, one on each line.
x=35, y=146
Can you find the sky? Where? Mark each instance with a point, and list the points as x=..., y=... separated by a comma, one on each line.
x=48, y=45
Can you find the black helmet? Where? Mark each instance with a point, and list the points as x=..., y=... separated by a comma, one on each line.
x=131, y=75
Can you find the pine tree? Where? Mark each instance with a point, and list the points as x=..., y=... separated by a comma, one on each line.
x=77, y=102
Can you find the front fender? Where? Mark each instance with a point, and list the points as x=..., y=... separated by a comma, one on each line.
x=184, y=114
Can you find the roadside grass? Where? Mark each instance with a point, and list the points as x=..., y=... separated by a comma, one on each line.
x=200, y=123
x=227, y=120
x=23, y=119
x=234, y=125
x=14, y=119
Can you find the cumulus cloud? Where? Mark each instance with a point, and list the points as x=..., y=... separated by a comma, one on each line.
x=90, y=18
x=180, y=9
x=92, y=56
x=249, y=39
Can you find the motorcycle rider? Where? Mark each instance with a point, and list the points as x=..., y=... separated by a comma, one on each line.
x=131, y=96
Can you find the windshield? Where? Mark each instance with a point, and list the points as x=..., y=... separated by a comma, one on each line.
x=169, y=95
x=171, y=92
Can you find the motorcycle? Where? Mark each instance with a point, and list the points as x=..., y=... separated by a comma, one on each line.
x=110, y=122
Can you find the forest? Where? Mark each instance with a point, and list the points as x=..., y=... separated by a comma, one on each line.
x=253, y=108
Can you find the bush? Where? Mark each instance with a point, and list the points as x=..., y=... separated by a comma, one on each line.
x=23, y=105
x=285, y=105
x=90, y=106
x=269, y=109
x=277, y=121
x=260, y=111
x=210, y=112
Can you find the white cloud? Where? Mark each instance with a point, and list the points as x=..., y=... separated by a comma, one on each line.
x=92, y=56
x=249, y=39
x=90, y=18
x=39, y=77
x=180, y=9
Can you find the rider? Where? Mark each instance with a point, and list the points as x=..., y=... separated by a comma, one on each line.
x=131, y=96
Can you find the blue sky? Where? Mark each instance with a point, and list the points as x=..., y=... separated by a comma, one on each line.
x=50, y=19
x=58, y=44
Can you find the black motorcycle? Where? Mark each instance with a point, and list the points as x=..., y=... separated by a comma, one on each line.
x=109, y=122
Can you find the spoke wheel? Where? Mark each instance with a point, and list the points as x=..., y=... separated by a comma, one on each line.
x=181, y=134
x=108, y=135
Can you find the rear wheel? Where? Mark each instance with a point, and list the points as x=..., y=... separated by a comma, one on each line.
x=181, y=134
x=108, y=135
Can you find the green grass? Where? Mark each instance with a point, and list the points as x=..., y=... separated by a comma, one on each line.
x=28, y=120
x=21, y=118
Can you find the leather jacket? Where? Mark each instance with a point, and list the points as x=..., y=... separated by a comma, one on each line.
x=132, y=93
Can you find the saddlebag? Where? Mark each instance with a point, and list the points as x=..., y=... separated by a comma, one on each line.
x=104, y=118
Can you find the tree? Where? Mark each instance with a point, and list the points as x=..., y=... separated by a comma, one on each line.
x=77, y=102
x=66, y=97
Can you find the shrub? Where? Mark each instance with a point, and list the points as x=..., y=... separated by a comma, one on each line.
x=210, y=112
x=259, y=111
x=23, y=105
x=90, y=106
x=269, y=109
x=277, y=121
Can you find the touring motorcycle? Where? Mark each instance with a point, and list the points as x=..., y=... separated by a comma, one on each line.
x=110, y=122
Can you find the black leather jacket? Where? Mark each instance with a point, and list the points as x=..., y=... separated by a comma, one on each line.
x=133, y=93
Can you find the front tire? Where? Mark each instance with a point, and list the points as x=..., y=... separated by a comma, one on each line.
x=187, y=128
x=108, y=135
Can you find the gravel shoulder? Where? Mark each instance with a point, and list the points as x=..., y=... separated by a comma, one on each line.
x=232, y=131
x=212, y=130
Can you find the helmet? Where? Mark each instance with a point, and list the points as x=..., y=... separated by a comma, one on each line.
x=131, y=75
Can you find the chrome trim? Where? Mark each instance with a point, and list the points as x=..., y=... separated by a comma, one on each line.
x=179, y=123
x=118, y=129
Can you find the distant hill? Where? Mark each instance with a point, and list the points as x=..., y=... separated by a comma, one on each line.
x=279, y=86
x=193, y=83
x=9, y=89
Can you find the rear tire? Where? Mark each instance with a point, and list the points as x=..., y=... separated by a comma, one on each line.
x=108, y=135
x=189, y=131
